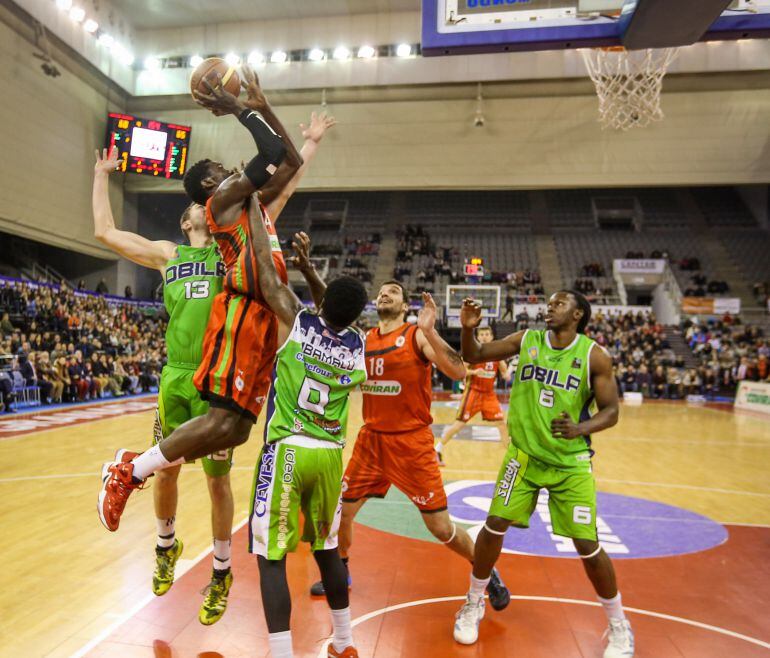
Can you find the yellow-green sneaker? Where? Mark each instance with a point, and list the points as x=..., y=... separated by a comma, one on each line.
x=215, y=603
x=165, y=563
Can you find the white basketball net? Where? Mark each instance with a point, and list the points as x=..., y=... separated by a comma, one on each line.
x=629, y=83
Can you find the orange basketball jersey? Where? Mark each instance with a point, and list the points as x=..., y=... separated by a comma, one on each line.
x=397, y=393
x=485, y=383
x=234, y=240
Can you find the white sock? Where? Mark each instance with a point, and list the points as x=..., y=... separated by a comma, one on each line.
x=280, y=645
x=439, y=446
x=166, y=532
x=150, y=461
x=343, y=634
x=478, y=587
x=221, y=554
x=613, y=608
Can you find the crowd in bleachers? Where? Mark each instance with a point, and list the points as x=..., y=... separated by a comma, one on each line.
x=726, y=351
x=733, y=352
x=69, y=346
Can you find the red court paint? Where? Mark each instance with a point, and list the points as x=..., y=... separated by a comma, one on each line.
x=727, y=587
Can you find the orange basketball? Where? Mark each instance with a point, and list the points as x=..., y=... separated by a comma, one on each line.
x=206, y=70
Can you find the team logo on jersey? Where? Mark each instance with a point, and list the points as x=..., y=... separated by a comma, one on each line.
x=400, y=341
x=345, y=380
x=328, y=426
x=298, y=426
x=239, y=383
x=533, y=353
x=381, y=387
x=577, y=363
x=423, y=500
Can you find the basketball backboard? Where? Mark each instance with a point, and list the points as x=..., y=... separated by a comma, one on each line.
x=452, y=27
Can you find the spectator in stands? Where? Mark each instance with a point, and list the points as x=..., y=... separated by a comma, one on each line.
x=628, y=381
x=6, y=392
x=644, y=380
x=48, y=373
x=6, y=326
x=509, y=299
x=102, y=288
x=659, y=383
x=128, y=293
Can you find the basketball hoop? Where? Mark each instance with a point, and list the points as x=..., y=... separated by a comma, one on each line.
x=628, y=83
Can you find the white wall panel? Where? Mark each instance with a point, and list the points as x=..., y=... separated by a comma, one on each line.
x=50, y=130
x=706, y=138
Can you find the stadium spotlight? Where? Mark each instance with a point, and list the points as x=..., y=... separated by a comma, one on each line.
x=279, y=57
x=366, y=52
x=90, y=26
x=341, y=52
x=255, y=58
x=316, y=55
x=77, y=14
x=403, y=50
x=106, y=40
x=64, y=5
x=151, y=63
x=232, y=59
x=125, y=56
x=195, y=60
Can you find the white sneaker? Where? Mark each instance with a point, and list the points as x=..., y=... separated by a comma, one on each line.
x=621, y=639
x=467, y=621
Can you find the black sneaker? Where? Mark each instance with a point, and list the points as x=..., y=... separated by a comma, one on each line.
x=499, y=596
x=317, y=589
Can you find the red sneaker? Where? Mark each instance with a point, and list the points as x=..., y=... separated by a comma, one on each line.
x=117, y=486
x=126, y=456
x=349, y=652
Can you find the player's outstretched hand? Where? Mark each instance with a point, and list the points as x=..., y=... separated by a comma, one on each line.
x=107, y=161
x=256, y=100
x=426, y=318
x=301, y=246
x=218, y=100
x=319, y=124
x=562, y=427
x=470, y=313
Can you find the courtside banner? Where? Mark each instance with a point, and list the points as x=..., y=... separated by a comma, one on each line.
x=711, y=305
x=640, y=266
x=754, y=396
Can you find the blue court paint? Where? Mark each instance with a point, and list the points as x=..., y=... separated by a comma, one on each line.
x=628, y=527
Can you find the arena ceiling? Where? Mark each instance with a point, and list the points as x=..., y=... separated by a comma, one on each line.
x=149, y=14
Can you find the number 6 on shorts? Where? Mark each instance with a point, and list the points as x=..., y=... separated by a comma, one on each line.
x=581, y=514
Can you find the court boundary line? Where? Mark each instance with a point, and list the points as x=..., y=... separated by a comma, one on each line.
x=551, y=599
x=149, y=598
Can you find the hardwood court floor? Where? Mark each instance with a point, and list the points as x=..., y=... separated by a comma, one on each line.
x=67, y=582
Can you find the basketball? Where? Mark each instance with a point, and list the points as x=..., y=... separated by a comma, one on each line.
x=207, y=70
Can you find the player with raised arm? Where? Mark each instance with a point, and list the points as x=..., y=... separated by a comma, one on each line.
x=395, y=445
x=479, y=397
x=192, y=277
x=562, y=375
x=320, y=361
x=241, y=337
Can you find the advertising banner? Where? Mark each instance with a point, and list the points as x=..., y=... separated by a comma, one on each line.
x=754, y=396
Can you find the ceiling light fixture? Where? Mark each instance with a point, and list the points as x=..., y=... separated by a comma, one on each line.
x=366, y=52
x=195, y=60
x=90, y=26
x=77, y=14
x=316, y=55
x=403, y=50
x=341, y=52
x=278, y=57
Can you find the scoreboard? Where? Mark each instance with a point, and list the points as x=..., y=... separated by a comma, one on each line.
x=149, y=147
x=474, y=267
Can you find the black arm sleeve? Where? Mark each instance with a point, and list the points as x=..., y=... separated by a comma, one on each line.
x=269, y=145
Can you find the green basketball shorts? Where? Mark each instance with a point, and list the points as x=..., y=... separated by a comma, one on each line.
x=296, y=474
x=178, y=402
x=572, y=495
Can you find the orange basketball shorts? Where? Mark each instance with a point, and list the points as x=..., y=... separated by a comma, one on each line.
x=475, y=402
x=404, y=459
x=238, y=353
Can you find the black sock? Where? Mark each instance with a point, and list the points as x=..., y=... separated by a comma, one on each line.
x=221, y=573
x=334, y=575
